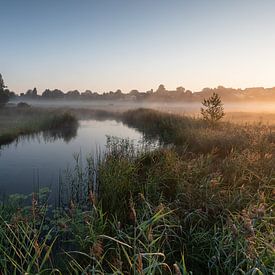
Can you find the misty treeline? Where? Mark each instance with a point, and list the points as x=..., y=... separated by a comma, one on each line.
x=5, y=94
x=161, y=94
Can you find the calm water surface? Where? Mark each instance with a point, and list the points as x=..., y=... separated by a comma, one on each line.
x=40, y=159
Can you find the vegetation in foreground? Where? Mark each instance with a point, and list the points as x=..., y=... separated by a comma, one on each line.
x=15, y=122
x=201, y=204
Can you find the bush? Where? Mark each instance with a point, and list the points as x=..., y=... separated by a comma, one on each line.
x=23, y=105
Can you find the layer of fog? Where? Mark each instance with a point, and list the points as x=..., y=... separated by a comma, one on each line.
x=188, y=108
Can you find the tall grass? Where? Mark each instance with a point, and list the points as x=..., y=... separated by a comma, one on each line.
x=172, y=210
x=195, y=133
x=18, y=122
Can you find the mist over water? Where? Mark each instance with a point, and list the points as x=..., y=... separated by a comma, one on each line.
x=38, y=160
x=188, y=107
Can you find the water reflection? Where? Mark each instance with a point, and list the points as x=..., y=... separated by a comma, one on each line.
x=38, y=160
x=65, y=133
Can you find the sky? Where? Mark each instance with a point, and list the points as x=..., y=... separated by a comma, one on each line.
x=125, y=44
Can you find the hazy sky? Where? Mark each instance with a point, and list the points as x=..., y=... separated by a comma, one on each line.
x=109, y=44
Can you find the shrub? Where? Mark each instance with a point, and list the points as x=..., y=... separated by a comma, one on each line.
x=213, y=110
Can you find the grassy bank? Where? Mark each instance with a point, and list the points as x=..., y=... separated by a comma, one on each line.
x=202, y=205
x=196, y=136
x=15, y=122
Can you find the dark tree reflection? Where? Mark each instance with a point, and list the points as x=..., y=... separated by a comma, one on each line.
x=65, y=133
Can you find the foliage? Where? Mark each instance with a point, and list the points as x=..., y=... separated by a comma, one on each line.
x=213, y=110
x=4, y=93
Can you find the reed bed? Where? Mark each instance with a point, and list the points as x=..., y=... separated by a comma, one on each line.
x=177, y=209
x=16, y=122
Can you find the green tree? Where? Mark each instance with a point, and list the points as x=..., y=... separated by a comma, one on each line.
x=4, y=93
x=213, y=109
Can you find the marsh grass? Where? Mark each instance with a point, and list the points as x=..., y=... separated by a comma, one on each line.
x=16, y=122
x=178, y=209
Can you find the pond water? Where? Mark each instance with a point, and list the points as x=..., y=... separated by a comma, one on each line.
x=39, y=159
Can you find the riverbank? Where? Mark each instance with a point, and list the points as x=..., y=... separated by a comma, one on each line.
x=15, y=122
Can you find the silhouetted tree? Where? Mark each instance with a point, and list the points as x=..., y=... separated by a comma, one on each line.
x=73, y=94
x=4, y=93
x=180, y=90
x=52, y=94
x=213, y=110
x=134, y=93
x=31, y=93
x=161, y=88
x=87, y=93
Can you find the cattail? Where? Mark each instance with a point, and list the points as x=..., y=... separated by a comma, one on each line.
x=132, y=213
x=150, y=234
x=97, y=249
x=139, y=264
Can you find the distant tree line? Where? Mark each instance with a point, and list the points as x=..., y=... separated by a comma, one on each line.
x=161, y=94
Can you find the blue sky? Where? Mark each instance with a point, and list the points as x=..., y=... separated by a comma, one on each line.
x=107, y=45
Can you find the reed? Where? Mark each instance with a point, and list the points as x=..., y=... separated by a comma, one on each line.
x=177, y=209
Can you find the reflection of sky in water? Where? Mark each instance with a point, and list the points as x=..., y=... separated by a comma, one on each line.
x=19, y=162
